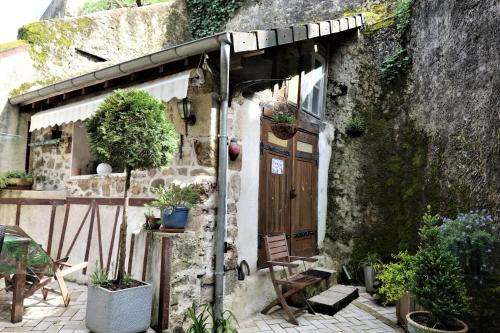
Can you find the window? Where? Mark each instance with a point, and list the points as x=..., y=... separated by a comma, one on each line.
x=313, y=83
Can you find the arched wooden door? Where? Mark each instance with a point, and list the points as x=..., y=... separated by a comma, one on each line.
x=288, y=190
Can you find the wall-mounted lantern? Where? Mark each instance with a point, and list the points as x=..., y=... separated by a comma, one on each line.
x=234, y=149
x=186, y=112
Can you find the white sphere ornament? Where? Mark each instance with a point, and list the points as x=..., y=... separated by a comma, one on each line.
x=104, y=169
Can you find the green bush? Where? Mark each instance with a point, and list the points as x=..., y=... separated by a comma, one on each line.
x=438, y=283
x=472, y=237
x=3, y=182
x=396, y=277
x=17, y=174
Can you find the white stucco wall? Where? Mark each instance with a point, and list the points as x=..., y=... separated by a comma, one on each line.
x=325, y=153
x=249, y=125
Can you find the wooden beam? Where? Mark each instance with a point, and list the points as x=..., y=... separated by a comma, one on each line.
x=165, y=273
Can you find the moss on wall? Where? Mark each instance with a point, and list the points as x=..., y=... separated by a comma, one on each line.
x=11, y=45
x=26, y=86
x=50, y=38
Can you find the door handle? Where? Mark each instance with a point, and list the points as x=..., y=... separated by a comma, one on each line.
x=293, y=193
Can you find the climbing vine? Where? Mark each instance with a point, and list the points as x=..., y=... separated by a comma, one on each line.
x=403, y=15
x=395, y=64
x=209, y=16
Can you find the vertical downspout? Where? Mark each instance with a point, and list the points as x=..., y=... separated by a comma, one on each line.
x=222, y=178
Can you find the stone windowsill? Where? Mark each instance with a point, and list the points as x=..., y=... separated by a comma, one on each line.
x=97, y=176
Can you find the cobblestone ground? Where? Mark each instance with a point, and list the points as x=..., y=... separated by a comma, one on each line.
x=362, y=315
x=50, y=316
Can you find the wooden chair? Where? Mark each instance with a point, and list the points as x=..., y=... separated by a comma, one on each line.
x=25, y=285
x=278, y=255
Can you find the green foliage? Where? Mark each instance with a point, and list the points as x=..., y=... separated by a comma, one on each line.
x=403, y=15
x=3, y=181
x=199, y=317
x=130, y=130
x=208, y=17
x=99, y=277
x=395, y=64
x=149, y=213
x=355, y=125
x=438, y=284
x=93, y=6
x=472, y=236
x=26, y=86
x=282, y=117
x=18, y=174
x=11, y=45
x=199, y=321
x=396, y=277
x=176, y=196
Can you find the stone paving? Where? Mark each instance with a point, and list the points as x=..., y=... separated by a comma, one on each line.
x=362, y=315
x=50, y=316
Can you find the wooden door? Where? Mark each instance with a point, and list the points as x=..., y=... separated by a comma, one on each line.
x=303, y=195
x=288, y=191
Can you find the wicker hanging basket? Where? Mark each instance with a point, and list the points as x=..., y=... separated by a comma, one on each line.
x=284, y=131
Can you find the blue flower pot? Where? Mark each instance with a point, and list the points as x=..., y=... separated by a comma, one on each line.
x=176, y=218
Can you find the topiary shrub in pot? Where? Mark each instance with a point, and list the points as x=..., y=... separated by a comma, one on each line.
x=174, y=202
x=438, y=284
x=129, y=130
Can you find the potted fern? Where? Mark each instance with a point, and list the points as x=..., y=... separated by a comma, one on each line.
x=174, y=202
x=129, y=130
x=369, y=264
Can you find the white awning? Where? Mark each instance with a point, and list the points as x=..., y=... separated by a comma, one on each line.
x=165, y=89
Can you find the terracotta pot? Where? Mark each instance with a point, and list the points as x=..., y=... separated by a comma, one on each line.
x=414, y=327
x=19, y=183
x=284, y=131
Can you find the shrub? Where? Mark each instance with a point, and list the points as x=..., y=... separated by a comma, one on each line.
x=17, y=174
x=3, y=182
x=472, y=237
x=396, y=277
x=130, y=130
x=438, y=282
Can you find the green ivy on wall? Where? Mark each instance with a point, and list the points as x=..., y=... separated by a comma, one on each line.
x=209, y=16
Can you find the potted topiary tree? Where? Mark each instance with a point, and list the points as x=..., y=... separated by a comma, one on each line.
x=437, y=284
x=129, y=130
x=174, y=202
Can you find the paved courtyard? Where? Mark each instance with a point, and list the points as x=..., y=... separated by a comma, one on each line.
x=50, y=316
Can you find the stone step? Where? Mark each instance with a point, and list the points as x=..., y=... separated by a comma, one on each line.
x=334, y=299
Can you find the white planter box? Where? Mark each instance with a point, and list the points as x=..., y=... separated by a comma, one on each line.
x=122, y=311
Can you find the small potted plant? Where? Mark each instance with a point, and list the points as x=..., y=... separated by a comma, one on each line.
x=113, y=307
x=369, y=264
x=152, y=222
x=355, y=127
x=438, y=284
x=396, y=278
x=174, y=202
x=18, y=180
x=283, y=123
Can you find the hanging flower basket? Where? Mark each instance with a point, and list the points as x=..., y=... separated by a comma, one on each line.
x=284, y=131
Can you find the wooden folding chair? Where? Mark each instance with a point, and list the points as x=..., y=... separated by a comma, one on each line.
x=25, y=285
x=278, y=255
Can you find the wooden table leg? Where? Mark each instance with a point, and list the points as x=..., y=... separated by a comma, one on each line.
x=16, y=314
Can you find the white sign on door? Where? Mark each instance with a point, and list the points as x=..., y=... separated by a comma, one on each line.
x=277, y=166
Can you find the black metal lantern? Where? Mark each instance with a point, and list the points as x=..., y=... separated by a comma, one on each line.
x=186, y=113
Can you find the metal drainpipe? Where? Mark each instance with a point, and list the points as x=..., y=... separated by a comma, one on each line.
x=225, y=52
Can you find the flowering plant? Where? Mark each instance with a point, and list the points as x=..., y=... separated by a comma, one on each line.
x=472, y=237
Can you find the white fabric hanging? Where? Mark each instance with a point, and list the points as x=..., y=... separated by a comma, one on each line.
x=166, y=88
